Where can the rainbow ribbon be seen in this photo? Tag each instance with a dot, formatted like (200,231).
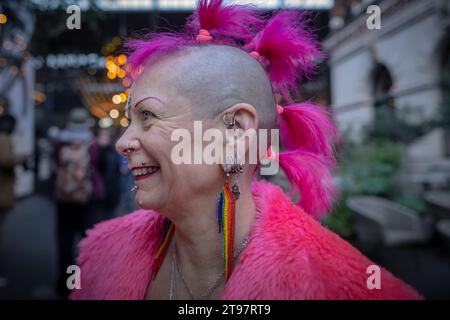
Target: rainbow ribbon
(225,217)
(170,229)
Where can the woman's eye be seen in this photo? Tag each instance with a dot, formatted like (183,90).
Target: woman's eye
(146,115)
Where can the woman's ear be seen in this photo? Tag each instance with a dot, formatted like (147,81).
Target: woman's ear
(241,121)
(245,116)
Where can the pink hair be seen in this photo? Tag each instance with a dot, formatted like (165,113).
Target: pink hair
(308,133)
(288,50)
(309,174)
(308,127)
(144,50)
(228,25)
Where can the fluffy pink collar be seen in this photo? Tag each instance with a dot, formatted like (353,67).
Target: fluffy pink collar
(289,256)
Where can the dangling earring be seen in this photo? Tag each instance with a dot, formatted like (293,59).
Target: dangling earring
(226,220)
(238,170)
(226,205)
(225,212)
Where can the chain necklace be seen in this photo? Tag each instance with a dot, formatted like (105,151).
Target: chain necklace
(176,266)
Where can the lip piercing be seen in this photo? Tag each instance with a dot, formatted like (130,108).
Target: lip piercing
(135,188)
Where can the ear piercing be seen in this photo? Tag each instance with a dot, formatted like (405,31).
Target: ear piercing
(228,123)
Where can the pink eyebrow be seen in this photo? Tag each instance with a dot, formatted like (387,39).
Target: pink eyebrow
(146,98)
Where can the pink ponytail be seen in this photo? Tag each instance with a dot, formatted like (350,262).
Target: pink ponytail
(212,21)
(308,127)
(307,131)
(225,24)
(287,49)
(309,174)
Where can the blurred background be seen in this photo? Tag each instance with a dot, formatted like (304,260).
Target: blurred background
(62,95)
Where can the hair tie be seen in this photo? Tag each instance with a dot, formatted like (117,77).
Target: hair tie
(271,154)
(255,54)
(279,109)
(203,35)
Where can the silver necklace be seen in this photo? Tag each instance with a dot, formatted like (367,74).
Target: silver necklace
(175,265)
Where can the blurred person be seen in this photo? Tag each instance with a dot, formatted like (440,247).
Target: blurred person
(74,188)
(8,160)
(127,203)
(106,162)
(211,231)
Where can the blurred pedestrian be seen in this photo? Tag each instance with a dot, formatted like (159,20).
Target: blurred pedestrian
(8,160)
(106,162)
(74,188)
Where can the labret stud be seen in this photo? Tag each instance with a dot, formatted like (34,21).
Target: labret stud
(135,188)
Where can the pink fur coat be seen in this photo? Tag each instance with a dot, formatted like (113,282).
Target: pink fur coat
(289,256)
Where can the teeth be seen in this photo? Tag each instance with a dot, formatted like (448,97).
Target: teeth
(144,171)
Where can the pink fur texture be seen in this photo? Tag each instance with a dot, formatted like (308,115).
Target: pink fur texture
(288,49)
(289,256)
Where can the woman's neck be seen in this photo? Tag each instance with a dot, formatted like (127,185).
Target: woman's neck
(197,238)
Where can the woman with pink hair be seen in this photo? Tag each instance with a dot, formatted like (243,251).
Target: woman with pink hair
(211,230)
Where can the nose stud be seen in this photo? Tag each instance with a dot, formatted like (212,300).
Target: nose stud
(128,149)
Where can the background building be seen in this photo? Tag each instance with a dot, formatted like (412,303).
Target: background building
(401,65)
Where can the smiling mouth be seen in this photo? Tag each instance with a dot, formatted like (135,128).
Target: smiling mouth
(141,173)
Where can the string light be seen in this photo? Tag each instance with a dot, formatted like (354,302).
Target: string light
(122,59)
(114,113)
(116,99)
(121,73)
(3,18)
(111,75)
(124,122)
(105,122)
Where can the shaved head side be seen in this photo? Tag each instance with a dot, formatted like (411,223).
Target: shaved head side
(213,78)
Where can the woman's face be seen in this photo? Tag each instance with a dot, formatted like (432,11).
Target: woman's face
(155,112)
